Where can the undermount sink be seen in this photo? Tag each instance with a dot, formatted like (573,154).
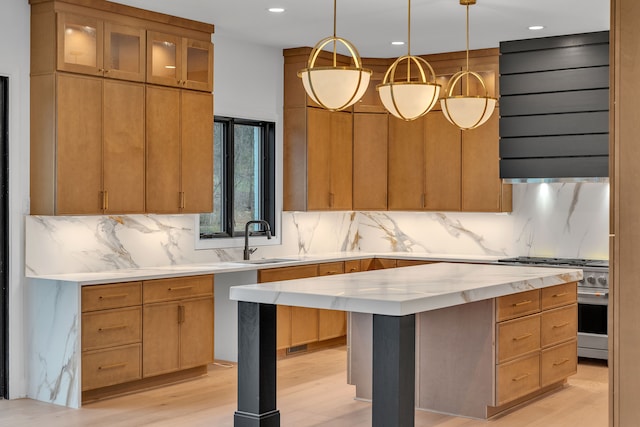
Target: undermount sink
(267,261)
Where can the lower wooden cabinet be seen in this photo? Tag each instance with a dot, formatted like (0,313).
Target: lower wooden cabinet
(178,333)
(536,350)
(133,331)
(300,325)
(111,334)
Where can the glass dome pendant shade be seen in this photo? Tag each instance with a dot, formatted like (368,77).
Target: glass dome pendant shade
(335,87)
(467,111)
(409,99)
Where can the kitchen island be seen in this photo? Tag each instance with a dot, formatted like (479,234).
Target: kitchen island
(394,299)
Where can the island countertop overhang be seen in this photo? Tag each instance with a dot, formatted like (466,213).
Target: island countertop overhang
(400,292)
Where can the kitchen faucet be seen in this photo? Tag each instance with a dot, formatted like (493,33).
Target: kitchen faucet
(267,230)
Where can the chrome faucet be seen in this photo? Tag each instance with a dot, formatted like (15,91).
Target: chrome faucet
(267,230)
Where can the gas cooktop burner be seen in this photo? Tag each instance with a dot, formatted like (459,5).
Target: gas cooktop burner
(573,262)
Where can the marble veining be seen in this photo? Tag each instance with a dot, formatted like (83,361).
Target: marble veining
(561,220)
(405,291)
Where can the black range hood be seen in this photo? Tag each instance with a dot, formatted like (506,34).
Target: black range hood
(554,108)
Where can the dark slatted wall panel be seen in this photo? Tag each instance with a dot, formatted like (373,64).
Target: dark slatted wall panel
(554,107)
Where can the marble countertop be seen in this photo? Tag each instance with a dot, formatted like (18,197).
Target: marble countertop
(398,292)
(217,267)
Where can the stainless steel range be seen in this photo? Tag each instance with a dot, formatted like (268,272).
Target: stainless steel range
(593,300)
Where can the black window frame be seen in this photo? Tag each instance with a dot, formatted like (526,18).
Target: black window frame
(268,160)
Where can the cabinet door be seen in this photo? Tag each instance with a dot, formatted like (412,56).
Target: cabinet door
(197,61)
(283,320)
(197,152)
(341,158)
(331,323)
(304,325)
(164,59)
(406,164)
(124,52)
(370,136)
(123,147)
(481,184)
(160,339)
(163,150)
(443,159)
(196,332)
(80,44)
(79,145)
(318,159)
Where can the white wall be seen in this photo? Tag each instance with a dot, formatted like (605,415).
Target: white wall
(14,51)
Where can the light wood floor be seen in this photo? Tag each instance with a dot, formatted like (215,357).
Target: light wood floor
(312,391)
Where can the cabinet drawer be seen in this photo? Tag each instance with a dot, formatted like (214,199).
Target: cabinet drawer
(109,328)
(559,362)
(176,289)
(287,273)
(352,266)
(518,337)
(517,378)
(330,268)
(113,366)
(557,296)
(101,297)
(558,325)
(516,305)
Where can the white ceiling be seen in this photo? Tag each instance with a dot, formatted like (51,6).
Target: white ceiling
(371,25)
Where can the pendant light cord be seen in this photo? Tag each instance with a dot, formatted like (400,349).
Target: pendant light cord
(467,49)
(409,41)
(335,44)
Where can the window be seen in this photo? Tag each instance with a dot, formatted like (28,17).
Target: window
(243,177)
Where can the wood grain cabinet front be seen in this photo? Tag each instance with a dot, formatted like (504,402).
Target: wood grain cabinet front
(111,334)
(178,326)
(179,61)
(179,154)
(87,146)
(99,47)
(97,145)
(534,351)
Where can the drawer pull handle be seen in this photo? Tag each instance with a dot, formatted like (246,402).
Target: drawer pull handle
(113,296)
(329,273)
(562,325)
(562,362)
(180,288)
(111,328)
(352,269)
(521,303)
(561,294)
(114,366)
(522,337)
(521,377)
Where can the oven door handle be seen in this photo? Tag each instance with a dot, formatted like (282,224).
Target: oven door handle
(600,298)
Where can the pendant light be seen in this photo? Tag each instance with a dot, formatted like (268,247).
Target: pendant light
(409,99)
(467,111)
(335,87)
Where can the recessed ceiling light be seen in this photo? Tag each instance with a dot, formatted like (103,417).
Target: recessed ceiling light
(397,43)
(276,9)
(536,27)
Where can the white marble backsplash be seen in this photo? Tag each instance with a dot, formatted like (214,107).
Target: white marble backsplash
(564,220)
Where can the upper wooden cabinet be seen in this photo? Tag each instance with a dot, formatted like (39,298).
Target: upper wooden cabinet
(93,46)
(317,159)
(87,145)
(179,61)
(482,188)
(370,153)
(88,130)
(179,151)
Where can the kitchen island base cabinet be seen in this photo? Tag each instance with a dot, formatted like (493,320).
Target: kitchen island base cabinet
(493,354)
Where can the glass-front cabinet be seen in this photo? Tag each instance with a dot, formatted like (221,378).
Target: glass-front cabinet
(179,61)
(92,46)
